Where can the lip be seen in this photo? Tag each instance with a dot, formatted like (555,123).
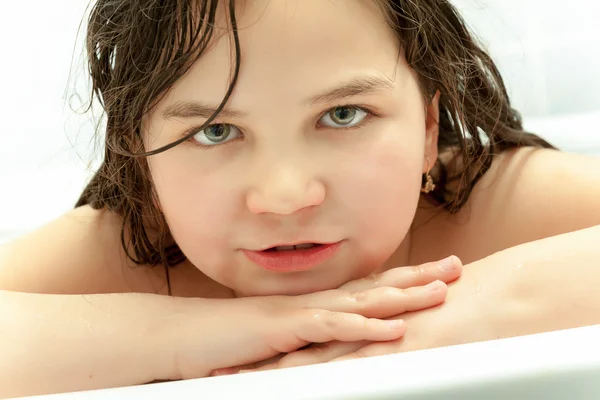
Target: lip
(293,260)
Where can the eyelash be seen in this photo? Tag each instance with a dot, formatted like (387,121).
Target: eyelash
(370,115)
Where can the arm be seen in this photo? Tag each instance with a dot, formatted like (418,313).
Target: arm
(541,286)
(546,278)
(546,285)
(54,338)
(64,343)
(59,343)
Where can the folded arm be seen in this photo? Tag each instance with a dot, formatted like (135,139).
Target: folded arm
(546,285)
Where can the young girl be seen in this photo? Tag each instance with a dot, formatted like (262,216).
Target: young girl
(271,171)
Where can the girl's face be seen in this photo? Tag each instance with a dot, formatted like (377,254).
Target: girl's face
(323,140)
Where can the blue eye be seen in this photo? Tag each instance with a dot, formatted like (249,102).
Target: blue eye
(344,117)
(216,134)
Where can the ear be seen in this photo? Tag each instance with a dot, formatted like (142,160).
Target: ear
(432,130)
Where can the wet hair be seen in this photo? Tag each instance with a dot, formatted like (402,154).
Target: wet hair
(138,49)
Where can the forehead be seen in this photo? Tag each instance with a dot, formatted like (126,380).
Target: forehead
(292,48)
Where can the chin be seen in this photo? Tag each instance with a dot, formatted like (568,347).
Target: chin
(278,291)
(290,286)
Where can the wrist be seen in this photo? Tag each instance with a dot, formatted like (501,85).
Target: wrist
(493,300)
(182,337)
(167,335)
(476,306)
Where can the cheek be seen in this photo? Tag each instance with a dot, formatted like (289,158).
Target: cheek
(197,205)
(380,192)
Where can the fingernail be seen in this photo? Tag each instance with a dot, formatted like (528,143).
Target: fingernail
(395,323)
(435,286)
(447,264)
(244,371)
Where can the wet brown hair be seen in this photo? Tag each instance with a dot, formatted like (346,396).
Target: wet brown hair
(138,49)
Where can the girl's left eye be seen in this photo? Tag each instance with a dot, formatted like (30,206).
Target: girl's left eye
(344,117)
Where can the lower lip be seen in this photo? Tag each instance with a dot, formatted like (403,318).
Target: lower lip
(293,260)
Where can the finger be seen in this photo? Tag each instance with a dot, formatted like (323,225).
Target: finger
(390,302)
(327,352)
(372,350)
(446,270)
(315,354)
(320,326)
(252,366)
(380,302)
(224,371)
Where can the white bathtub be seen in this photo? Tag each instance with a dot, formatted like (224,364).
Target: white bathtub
(550,366)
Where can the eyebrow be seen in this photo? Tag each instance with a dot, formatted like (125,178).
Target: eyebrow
(358,86)
(194,109)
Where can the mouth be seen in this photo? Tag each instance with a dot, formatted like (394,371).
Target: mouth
(303,246)
(292,258)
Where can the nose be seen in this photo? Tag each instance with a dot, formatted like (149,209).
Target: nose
(284,189)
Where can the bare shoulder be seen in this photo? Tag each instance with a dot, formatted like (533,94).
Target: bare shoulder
(528,194)
(79,252)
(537,193)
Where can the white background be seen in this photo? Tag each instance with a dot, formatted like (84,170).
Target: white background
(548,51)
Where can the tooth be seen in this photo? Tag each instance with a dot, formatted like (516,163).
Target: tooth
(282,248)
(305,246)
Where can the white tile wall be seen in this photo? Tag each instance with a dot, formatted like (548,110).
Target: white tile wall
(547,50)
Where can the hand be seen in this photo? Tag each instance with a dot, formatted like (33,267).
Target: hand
(327,352)
(402,277)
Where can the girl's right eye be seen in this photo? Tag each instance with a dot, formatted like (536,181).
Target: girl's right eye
(216,134)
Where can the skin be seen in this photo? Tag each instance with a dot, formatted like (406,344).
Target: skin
(289,174)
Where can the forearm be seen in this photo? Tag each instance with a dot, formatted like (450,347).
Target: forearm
(60,343)
(546,285)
